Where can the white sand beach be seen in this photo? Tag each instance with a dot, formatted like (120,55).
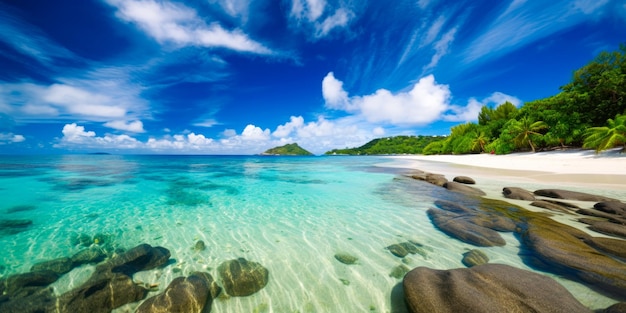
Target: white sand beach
(571,168)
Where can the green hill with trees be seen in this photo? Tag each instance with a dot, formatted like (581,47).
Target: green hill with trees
(288,149)
(390,145)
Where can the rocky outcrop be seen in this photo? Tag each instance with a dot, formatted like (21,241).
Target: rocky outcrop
(59,266)
(435,179)
(485,288)
(86,256)
(140,258)
(184,294)
(461,227)
(614,247)
(518,194)
(241,277)
(464,180)
(474,257)
(596,213)
(571,195)
(615,308)
(612,207)
(465,189)
(608,228)
(550,206)
(561,249)
(453,207)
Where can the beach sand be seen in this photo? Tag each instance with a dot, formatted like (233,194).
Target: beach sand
(577,168)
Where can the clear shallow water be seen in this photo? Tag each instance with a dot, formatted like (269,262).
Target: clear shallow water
(290,214)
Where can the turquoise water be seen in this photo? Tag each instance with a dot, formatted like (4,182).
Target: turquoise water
(291,214)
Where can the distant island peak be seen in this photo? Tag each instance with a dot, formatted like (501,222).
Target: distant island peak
(288,149)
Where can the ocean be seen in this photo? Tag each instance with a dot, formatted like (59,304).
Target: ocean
(290,214)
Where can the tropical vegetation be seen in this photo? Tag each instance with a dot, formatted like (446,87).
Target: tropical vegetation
(288,149)
(389,145)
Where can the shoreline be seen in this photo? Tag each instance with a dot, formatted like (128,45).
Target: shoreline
(575,168)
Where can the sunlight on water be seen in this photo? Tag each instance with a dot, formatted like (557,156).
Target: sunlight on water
(292,215)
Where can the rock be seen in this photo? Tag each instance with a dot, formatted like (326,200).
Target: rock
(396,250)
(492,221)
(615,308)
(485,288)
(612,207)
(561,249)
(464,180)
(14,226)
(399,271)
(550,206)
(465,189)
(571,195)
(59,266)
(611,217)
(183,294)
(86,256)
(518,194)
(564,204)
(140,258)
(435,179)
(199,246)
(242,278)
(614,247)
(452,206)
(101,294)
(20,285)
(346,258)
(474,257)
(459,227)
(214,288)
(609,228)
(39,301)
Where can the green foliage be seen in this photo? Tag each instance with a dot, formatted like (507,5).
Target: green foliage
(288,149)
(390,145)
(607,137)
(525,130)
(598,89)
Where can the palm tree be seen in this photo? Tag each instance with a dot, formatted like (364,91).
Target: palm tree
(525,128)
(607,137)
(479,141)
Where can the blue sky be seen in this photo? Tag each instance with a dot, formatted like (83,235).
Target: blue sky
(242,76)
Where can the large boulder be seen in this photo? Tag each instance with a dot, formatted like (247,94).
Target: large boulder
(241,277)
(612,207)
(562,249)
(571,195)
(190,294)
(463,188)
(101,294)
(435,179)
(59,266)
(609,216)
(140,258)
(485,288)
(20,285)
(608,228)
(86,256)
(518,194)
(461,227)
(39,301)
(614,247)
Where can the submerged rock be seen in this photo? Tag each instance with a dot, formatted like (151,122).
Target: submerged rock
(199,246)
(20,285)
(452,206)
(184,294)
(404,248)
(86,256)
(486,288)
(399,271)
(241,277)
(59,266)
(346,258)
(14,226)
(571,195)
(518,194)
(459,227)
(465,189)
(474,257)
(140,258)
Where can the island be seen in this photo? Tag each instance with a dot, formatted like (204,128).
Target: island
(288,149)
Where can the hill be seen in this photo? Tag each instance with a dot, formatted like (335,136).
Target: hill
(288,149)
(390,145)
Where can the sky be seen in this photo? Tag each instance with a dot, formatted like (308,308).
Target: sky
(242,76)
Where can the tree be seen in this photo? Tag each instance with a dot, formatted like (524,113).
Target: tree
(607,137)
(525,129)
(479,141)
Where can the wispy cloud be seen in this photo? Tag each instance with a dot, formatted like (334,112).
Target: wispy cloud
(525,21)
(310,14)
(441,48)
(9,138)
(175,23)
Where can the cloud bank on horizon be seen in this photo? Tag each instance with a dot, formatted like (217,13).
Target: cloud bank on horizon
(159,76)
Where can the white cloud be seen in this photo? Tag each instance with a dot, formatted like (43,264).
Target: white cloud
(310,13)
(234,8)
(131,126)
(175,23)
(81,102)
(334,94)
(469,113)
(206,123)
(423,104)
(379,131)
(76,134)
(441,48)
(286,129)
(433,31)
(252,132)
(7,138)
